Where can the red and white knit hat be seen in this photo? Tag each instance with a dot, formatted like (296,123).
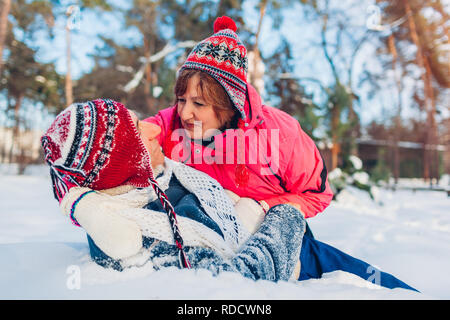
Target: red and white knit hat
(96,145)
(224,57)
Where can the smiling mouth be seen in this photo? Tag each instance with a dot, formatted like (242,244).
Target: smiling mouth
(191,126)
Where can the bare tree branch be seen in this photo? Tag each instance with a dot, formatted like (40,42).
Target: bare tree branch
(168,49)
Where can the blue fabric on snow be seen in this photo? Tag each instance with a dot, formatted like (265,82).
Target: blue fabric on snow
(102,258)
(106,261)
(185,204)
(318,258)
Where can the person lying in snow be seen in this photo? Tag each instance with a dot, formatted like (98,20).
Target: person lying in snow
(101,165)
(87,148)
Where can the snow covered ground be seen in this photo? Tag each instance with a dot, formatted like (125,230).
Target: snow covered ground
(42,256)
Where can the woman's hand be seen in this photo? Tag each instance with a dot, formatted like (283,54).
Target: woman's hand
(266,208)
(296,206)
(149,132)
(250,212)
(156,155)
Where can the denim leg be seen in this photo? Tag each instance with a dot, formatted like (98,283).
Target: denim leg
(101,258)
(106,261)
(190,207)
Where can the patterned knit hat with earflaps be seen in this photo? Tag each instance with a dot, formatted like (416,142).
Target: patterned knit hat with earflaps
(224,57)
(96,145)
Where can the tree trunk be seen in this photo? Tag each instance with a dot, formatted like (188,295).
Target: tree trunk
(148,77)
(353,133)
(15,143)
(262,13)
(3,139)
(353,117)
(69,94)
(432,134)
(336,148)
(3,28)
(396,136)
(5,132)
(430,107)
(255,77)
(335,112)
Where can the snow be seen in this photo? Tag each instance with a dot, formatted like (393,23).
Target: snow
(43,256)
(357,162)
(361,177)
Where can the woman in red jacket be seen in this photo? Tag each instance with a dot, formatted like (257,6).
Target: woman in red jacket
(220,126)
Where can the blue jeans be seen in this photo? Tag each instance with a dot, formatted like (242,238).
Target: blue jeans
(185,204)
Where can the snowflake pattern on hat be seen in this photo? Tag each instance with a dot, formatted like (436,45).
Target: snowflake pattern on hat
(224,57)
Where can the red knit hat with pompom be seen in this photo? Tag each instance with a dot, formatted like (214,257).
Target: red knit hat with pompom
(96,145)
(224,57)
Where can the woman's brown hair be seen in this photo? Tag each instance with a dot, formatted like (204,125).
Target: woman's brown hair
(213,93)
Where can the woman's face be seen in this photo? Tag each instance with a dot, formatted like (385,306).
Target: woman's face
(196,114)
(148,132)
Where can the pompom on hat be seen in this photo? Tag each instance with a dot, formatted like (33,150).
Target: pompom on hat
(223,23)
(224,57)
(96,145)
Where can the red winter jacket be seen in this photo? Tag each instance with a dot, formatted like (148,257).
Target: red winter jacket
(288,170)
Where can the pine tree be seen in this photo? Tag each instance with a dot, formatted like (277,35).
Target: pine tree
(24,79)
(5,7)
(424,27)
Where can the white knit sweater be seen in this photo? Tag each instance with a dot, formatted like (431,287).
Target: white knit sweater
(123,205)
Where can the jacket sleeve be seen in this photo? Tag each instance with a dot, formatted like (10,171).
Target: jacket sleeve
(303,175)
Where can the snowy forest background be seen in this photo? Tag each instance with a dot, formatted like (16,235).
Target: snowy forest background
(369,81)
(364,78)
